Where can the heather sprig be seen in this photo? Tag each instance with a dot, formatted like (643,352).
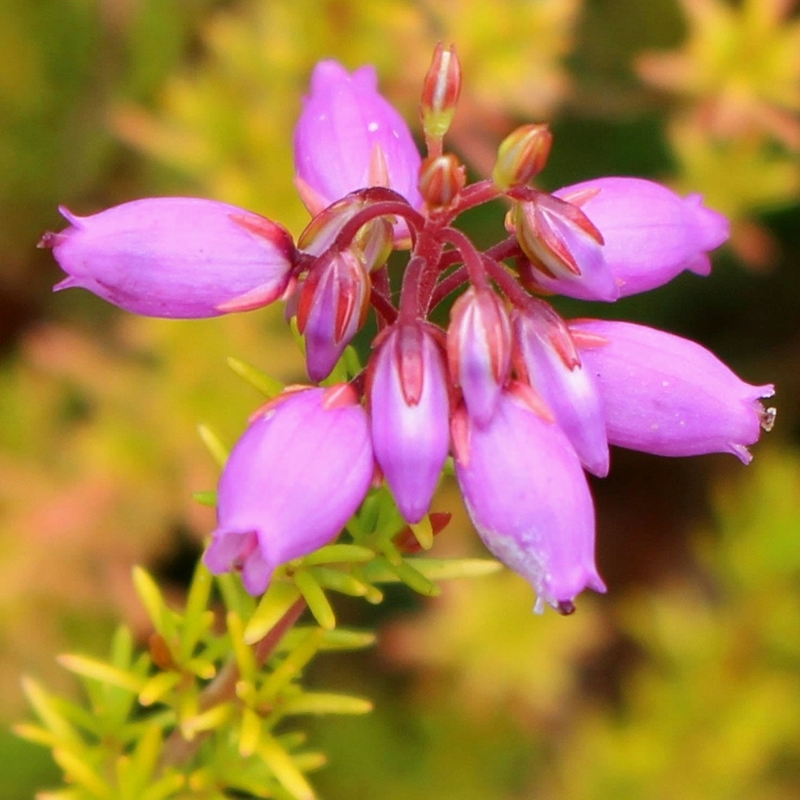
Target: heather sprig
(329,487)
(426,392)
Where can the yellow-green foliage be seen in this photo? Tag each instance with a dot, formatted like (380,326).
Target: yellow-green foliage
(736,132)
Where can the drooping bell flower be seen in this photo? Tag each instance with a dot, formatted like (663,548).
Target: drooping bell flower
(291,482)
(331,308)
(409,410)
(527,496)
(479,351)
(546,356)
(667,395)
(180,257)
(650,234)
(345,129)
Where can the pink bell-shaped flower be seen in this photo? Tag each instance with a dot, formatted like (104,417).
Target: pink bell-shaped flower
(409,410)
(650,234)
(667,395)
(345,130)
(547,358)
(291,482)
(180,257)
(527,496)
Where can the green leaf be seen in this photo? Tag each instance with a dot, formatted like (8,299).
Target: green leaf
(35,734)
(310,760)
(347,639)
(407,573)
(317,601)
(214,445)
(324,703)
(423,532)
(292,665)
(46,708)
(279,598)
(161,617)
(437,569)
(164,787)
(158,686)
(260,381)
(284,769)
(339,553)
(250,732)
(205,498)
(78,771)
(146,754)
(100,671)
(245,660)
(339,581)
(197,618)
(214,717)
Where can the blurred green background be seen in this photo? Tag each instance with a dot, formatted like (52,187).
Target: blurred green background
(683,681)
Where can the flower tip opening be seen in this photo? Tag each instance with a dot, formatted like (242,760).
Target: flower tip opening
(67,283)
(49,240)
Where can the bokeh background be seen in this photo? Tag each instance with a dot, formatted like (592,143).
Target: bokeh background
(684,680)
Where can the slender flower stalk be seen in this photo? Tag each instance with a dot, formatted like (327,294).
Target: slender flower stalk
(521,399)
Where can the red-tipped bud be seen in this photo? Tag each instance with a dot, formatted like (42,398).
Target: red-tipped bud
(564,247)
(330,309)
(441,179)
(373,243)
(478,351)
(522,155)
(440,92)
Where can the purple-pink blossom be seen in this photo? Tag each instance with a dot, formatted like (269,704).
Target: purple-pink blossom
(527,496)
(667,395)
(346,133)
(175,257)
(293,479)
(523,400)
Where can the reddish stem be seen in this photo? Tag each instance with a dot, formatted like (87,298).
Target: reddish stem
(472,258)
(448,284)
(476,194)
(388,208)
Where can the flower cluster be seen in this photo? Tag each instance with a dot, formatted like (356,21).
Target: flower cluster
(523,400)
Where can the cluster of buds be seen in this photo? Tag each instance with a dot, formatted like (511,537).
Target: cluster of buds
(523,400)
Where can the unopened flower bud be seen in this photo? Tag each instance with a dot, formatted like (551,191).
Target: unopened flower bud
(441,179)
(564,247)
(522,155)
(479,351)
(180,257)
(409,409)
(374,241)
(330,309)
(291,482)
(545,355)
(440,92)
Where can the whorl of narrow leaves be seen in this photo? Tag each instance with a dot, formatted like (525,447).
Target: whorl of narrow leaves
(198,708)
